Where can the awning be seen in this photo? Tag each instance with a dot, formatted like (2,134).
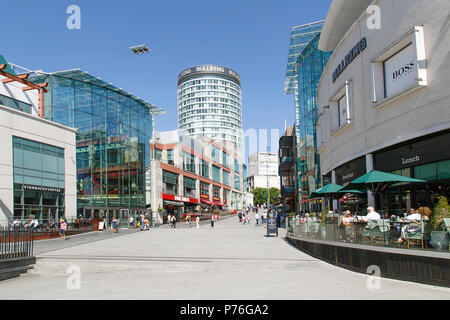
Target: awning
(208,202)
(173,203)
(220,204)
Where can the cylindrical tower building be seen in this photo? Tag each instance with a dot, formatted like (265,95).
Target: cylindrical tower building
(210,103)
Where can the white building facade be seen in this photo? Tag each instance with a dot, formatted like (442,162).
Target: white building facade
(210,103)
(383,97)
(263,171)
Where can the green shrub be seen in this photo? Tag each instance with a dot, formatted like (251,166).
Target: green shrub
(441,211)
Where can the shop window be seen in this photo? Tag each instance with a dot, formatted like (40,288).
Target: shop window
(443,170)
(426,172)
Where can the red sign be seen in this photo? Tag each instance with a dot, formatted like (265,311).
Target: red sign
(178,198)
(204,196)
(216,199)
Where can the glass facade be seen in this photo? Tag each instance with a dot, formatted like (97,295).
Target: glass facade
(210,105)
(114,130)
(39,182)
(300,38)
(310,65)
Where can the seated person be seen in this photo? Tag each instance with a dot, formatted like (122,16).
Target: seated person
(371,215)
(347,221)
(414,218)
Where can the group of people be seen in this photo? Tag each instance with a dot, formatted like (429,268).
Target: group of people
(245,216)
(411,220)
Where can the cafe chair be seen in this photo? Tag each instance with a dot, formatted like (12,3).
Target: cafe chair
(421,234)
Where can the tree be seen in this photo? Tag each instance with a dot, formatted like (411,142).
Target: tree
(274,195)
(260,196)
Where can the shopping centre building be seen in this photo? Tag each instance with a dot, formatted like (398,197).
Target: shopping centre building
(383,98)
(195,175)
(112,141)
(37,162)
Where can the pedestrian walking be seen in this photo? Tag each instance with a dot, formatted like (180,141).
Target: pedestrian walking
(197,220)
(62,228)
(240,216)
(114,225)
(257,218)
(131,222)
(169,219)
(212,219)
(141,219)
(174,222)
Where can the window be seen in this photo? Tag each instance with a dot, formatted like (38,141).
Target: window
(225,160)
(426,171)
(236,165)
(342,109)
(215,154)
(204,169)
(158,154)
(216,173)
(170,183)
(226,178)
(170,157)
(39,179)
(237,182)
(204,188)
(189,187)
(400,67)
(216,192)
(188,162)
(15,104)
(443,170)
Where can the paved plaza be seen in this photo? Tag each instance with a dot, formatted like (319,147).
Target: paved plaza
(231,261)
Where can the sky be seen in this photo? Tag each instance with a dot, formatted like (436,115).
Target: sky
(249,36)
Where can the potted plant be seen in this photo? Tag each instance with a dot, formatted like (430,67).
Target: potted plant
(439,236)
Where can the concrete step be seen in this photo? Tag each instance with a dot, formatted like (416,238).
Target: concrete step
(15,272)
(63,266)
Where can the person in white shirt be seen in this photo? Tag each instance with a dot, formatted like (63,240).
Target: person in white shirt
(257,218)
(371,215)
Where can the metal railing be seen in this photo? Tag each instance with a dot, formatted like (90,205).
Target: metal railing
(393,232)
(15,243)
(48,225)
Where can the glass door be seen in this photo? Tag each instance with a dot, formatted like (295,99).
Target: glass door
(124,216)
